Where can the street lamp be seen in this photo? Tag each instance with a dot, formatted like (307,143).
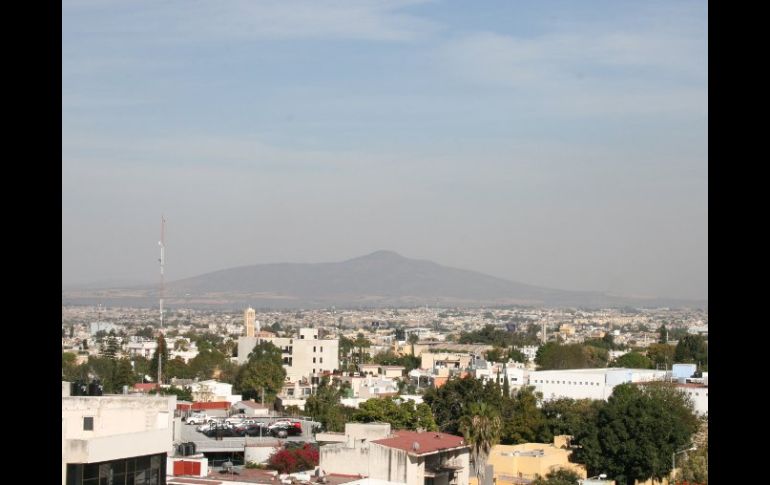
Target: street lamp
(673,459)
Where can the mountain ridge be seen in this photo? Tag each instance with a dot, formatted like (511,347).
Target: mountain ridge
(380,278)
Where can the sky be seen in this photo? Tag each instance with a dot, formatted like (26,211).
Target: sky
(559,143)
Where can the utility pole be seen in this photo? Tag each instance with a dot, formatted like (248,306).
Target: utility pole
(162,244)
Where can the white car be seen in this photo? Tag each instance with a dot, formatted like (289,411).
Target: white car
(199,419)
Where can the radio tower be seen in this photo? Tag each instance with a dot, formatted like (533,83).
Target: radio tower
(162,245)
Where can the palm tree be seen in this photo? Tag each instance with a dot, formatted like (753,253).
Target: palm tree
(481,427)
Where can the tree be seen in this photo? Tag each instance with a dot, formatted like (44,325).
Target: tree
(632,360)
(560,476)
(413,339)
(146,332)
(662,334)
(263,372)
(523,421)
(112,348)
(346,347)
(123,375)
(362,343)
(178,368)
(405,415)
(572,356)
(517,355)
(69,368)
(694,467)
(452,400)
(661,355)
(692,348)
(163,349)
(481,426)
(324,406)
(566,416)
(636,432)
(206,363)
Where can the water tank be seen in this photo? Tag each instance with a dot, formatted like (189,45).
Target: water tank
(181,449)
(95,388)
(192,447)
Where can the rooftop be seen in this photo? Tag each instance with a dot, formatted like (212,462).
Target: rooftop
(421,443)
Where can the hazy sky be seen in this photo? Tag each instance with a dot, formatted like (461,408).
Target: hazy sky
(561,144)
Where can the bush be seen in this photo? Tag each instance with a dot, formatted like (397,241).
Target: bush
(295,460)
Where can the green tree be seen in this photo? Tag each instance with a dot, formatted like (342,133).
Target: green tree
(496,354)
(362,343)
(481,426)
(346,347)
(123,375)
(452,400)
(662,334)
(560,476)
(177,368)
(636,432)
(69,368)
(405,415)
(692,348)
(694,466)
(517,355)
(566,416)
(571,356)
(163,349)
(263,372)
(523,421)
(324,406)
(661,355)
(204,365)
(632,360)
(112,348)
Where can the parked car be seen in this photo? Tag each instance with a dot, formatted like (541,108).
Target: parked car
(199,418)
(283,430)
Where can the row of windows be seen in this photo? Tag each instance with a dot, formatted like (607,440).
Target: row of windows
(321,360)
(143,470)
(579,383)
(322,349)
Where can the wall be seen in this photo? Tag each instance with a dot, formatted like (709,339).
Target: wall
(123,427)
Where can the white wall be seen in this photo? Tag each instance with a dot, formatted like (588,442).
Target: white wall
(123,427)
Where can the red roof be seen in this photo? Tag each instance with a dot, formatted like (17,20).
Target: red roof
(428,441)
(211,405)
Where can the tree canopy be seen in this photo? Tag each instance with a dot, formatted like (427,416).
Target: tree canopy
(263,372)
(406,415)
(636,432)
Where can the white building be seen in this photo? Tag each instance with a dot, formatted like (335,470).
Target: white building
(116,439)
(514,372)
(414,458)
(588,383)
(213,391)
(141,348)
(303,356)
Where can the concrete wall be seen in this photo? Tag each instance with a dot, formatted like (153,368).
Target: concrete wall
(260,453)
(123,427)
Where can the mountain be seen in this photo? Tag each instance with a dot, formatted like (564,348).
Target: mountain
(383,278)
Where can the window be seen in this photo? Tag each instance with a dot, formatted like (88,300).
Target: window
(314,360)
(88,423)
(314,348)
(322,360)
(322,349)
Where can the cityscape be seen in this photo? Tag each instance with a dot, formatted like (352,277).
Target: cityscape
(365,242)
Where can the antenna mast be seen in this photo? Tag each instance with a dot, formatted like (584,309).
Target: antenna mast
(162,261)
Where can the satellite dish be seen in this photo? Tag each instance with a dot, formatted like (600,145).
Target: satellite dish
(415,446)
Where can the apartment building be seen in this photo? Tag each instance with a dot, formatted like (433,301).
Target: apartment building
(304,355)
(588,383)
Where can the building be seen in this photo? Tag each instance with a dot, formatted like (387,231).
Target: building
(116,439)
(588,383)
(250,408)
(213,391)
(249,319)
(514,463)
(303,356)
(415,458)
(141,348)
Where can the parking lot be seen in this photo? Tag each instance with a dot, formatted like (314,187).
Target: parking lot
(205,444)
